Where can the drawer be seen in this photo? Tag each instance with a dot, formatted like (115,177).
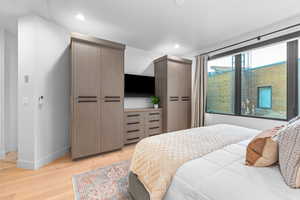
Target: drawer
(132,140)
(154,123)
(154,130)
(134,127)
(133,122)
(154,115)
(133,136)
(132,116)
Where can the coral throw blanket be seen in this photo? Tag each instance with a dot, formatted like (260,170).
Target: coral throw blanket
(157,158)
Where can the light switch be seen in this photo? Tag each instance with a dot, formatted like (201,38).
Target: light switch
(26,78)
(25,101)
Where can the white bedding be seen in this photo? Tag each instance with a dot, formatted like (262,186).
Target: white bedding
(222,175)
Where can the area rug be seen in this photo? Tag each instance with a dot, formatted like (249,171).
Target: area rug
(108,183)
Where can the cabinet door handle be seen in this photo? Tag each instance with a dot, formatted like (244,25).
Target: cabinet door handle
(87,101)
(86,97)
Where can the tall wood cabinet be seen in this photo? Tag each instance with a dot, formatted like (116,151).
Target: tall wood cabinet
(97,95)
(173,87)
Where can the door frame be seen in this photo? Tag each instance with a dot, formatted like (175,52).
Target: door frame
(2,88)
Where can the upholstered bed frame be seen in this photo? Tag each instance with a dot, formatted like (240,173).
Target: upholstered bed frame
(137,189)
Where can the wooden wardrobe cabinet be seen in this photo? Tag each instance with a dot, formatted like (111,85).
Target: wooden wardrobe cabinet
(97,96)
(173,87)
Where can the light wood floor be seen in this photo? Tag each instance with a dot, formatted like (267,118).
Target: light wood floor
(53,181)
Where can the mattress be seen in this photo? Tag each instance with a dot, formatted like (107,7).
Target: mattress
(222,175)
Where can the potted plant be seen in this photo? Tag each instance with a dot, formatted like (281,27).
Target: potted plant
(155,101)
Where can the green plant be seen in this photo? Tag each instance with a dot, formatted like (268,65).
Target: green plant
(155,100)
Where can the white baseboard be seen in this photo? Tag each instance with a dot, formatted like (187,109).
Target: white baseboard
(25,164)
(51,157)
(44,161)
(2,154)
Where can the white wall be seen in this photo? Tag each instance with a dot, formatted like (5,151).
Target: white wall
(139,62)
(2,62)
(44,58)
(11,80)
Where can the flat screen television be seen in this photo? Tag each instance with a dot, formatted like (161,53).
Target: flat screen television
(139,86)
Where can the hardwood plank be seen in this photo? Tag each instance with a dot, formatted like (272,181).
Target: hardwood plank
(53,181)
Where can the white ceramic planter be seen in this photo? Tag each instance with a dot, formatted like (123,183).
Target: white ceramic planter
(155,106)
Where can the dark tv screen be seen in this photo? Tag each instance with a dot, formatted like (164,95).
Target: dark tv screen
(139,86)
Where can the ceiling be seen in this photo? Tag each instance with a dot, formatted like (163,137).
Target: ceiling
(156,25)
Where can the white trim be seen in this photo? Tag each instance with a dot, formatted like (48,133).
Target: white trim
(25,164)
(51,157)
(2,154)
(2,63)
(44,161)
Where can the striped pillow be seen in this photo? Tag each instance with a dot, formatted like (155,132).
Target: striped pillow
(289,154)
(262,151)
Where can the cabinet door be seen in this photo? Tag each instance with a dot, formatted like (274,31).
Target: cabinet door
(111,124)
(174,82)
(185,97)
(86,69)
(112,73)
(184,115)
(173,118)
(86,133)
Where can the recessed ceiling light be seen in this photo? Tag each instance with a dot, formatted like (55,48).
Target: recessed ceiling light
(176,46)
(80,17)
(179,2)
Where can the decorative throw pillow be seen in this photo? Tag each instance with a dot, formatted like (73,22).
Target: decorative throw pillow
(289,154)
(262,151)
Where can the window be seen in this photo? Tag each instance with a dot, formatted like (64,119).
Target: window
(266,66)
(264,97)
(259,82)
(220,85)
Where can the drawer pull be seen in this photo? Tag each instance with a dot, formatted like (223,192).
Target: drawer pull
(154,113)
(152,128)
(112,97)
(112,100)
(135,115)
(132,131)
(131,123)
(130,139)
(156,120)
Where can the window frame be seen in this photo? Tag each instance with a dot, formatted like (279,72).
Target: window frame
(292,75)
(258,98)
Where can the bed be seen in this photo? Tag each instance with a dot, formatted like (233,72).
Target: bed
(207,178)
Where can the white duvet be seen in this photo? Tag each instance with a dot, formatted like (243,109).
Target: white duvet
(222,175)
